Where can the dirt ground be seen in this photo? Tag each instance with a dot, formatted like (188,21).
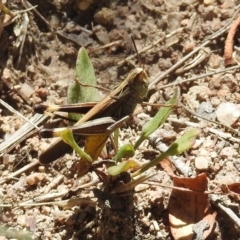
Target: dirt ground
(177,41)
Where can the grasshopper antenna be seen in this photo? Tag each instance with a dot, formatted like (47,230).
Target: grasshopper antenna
(135,47)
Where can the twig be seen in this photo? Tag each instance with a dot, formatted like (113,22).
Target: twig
(93,86)
(228,211)
(150,46)
(15,16)
(62,203)
(52,196)
(105,46)
(161,76)
(89,225)
(28,4)
(228,50)
(199,77)
(20,171)
(24,11)
(208,120)
(152,182)
(54,183)
(202,55)
(220,134)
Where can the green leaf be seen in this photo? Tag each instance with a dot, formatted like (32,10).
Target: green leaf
(183,143)
(179,146)
(67,137)
(158,119)
(85,75)
(122,167)
(126,151)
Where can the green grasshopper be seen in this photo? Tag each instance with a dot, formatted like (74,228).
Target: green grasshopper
(117,105)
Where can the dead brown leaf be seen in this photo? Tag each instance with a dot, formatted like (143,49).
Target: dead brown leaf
(188,208)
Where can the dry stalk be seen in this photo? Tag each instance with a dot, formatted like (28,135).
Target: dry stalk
(228,50)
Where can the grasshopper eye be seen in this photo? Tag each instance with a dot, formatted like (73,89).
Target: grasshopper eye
(140,83)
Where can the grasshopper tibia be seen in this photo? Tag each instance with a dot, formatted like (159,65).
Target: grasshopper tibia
(117,124)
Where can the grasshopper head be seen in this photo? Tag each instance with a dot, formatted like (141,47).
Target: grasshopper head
(139,82)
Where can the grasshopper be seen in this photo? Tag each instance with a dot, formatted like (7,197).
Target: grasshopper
(117,105)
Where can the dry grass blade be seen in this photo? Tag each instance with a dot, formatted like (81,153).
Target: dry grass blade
(24,132)
(62,203)
(199,77)
(17,113)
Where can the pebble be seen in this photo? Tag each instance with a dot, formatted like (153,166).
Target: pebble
(6,74)
(201,163)
(145,221)
(228,152)
(3,238)
(209,2)
(42,93)
(21,220)
(27,90)
(35,178)
(54,21)
(228,113)
(104,16)
(41,169)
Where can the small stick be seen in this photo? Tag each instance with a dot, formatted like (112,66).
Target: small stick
(220,134)
(53,195)
(228,49)
(20,171)
(61,203)
(93,86)
(199,77)
(150,46)
(158,77)
(105,46)
(206,119)
(152,182)
(228,211)
(56,181)
(29,5)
